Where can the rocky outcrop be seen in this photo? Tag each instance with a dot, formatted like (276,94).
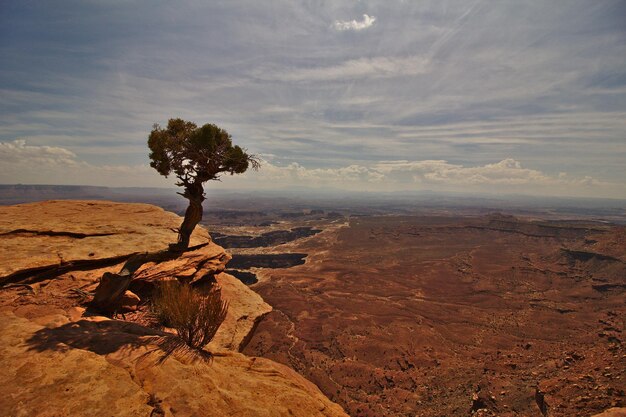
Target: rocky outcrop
(61,381)
(60,235)
(188,267)
(61,360)
(95,367)
(245,309)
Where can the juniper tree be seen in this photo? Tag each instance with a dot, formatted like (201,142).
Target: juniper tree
(195,155)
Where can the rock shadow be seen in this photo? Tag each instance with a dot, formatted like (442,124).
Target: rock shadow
(246,277)
(267,239)
(109,336)
(278,260)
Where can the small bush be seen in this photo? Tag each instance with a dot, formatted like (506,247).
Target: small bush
(195,317)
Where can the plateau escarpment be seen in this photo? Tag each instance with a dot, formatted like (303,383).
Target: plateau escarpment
(61,358)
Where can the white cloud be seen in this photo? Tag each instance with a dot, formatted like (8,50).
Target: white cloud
(342,25)
(17,152)
(55,165)
(29,164)
(505,172)
(296,174)
(507,175)
(427,83)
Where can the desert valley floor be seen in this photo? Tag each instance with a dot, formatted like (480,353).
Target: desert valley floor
(446,315)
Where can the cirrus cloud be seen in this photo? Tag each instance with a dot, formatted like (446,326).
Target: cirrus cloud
(378,67)
(454,90)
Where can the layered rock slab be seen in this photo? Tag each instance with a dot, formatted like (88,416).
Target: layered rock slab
(97,367)
(53,233)
(66,363)
(245,310)
(110,368)
(63,381)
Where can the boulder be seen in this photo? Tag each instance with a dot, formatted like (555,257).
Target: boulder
(110,292)
(129,302)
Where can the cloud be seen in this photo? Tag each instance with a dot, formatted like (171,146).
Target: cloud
(507,175)
(27,164)
(378,67)
(506,172)
(296,174)
(17,152)
(427,83)
(55,165)
(355,25)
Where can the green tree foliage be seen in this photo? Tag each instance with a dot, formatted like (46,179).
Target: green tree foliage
(195,155)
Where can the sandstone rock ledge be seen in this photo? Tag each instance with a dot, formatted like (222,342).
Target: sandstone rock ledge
(54,233)
(59,360)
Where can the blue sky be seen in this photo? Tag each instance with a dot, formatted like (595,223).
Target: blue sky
(485,96)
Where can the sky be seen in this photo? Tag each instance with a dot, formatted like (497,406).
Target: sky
(475,96)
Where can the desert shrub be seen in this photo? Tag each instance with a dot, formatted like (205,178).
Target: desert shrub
(196,317)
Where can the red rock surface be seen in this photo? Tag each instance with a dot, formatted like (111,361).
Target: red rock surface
(59,359)
(55,233)
(445,316)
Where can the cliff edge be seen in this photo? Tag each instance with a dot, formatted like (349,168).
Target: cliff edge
(60,359)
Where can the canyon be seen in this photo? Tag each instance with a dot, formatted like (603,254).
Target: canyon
(436,315)
(422,314)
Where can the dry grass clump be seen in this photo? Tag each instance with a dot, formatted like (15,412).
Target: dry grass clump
(195,317)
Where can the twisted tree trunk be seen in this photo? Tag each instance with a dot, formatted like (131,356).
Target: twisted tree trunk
(193,215)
